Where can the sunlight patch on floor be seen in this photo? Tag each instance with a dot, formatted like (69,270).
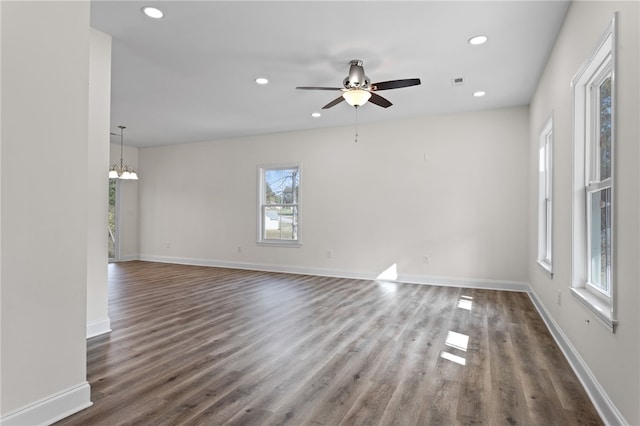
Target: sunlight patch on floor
(457,340)
(391,273)
(454,358)
(465,302)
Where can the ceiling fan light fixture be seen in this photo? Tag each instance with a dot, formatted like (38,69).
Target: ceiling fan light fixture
(356,97)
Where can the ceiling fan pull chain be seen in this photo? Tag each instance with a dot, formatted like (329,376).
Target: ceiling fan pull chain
(356,123)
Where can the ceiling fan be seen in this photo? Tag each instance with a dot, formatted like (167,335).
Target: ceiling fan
(358,88)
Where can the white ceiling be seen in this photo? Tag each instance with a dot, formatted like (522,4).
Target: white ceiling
(190,76)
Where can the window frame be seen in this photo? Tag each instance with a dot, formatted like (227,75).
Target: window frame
(545,196)
(600,66)
(262,205)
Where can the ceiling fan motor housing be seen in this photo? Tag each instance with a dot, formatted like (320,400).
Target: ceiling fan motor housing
(356,78)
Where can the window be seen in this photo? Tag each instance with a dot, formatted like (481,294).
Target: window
(599,187)
(593,186)
(279,198)
(545,199)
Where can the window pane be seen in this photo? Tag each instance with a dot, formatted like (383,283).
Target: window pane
(600,239)
(281,222)
(548,236)
(281,186)
(545,196)
(604,100)
(112,218)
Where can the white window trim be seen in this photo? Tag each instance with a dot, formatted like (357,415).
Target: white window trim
(260,215)
(545,197)
(604,308)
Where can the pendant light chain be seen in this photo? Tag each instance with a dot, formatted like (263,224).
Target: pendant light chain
(121,146)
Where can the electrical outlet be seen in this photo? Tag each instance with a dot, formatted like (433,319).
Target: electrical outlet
(559,298)
(167,244)
(329,254)
(239,249)
(425,260)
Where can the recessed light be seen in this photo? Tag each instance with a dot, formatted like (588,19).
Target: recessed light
(152,12)
(316,114)
(479,39)
(262,80)
(479,93)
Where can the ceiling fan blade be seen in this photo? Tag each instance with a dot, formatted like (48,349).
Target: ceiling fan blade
(395,84)
(334,102)
(379,100)
(317,88)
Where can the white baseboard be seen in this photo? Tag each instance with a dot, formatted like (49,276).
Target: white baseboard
(97,328)
(51,409)
(603,404)
(127,258)
(359,275)
(485,284)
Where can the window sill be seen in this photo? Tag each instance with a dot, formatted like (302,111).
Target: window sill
(275,243)
(546,266)
(599,307)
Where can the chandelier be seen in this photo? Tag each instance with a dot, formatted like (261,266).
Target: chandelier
(120,171)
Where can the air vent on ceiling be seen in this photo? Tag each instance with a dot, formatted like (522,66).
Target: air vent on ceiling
(457,81)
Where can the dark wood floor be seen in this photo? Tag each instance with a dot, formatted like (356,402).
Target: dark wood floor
(209,346)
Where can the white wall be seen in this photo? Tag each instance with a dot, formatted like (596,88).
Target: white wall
(98,149)
(127,215)
(613,359)
(451,187)
(45,80)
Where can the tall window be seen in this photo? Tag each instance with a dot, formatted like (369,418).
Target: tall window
(593,200)
(112,223)
(545,201)
(279,204)
(599,187)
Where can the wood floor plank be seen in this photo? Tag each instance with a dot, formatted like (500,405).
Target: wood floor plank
(210,346)
(475,390)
